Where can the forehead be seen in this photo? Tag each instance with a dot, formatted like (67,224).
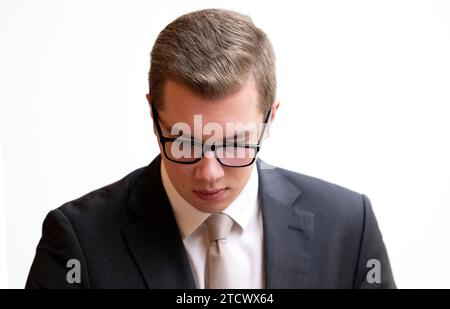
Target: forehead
(181,104)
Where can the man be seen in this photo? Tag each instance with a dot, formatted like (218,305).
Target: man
(206,213)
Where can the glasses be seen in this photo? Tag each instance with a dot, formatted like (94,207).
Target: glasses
(189,151)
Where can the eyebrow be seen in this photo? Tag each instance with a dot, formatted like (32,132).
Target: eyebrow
(237,135)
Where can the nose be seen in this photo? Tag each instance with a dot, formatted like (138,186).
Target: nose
(208,169)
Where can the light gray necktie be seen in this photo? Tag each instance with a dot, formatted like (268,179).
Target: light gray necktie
(218,271)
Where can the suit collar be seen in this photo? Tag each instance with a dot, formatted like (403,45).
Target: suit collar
(288,230)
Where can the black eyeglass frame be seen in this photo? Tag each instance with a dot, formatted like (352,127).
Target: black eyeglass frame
(164,139)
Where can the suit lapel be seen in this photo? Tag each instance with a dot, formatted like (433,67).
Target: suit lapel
(154,238)
(288,230)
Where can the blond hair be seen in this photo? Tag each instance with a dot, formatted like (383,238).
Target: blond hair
(212,52)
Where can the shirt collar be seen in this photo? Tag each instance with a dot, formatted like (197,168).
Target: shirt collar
(188,218)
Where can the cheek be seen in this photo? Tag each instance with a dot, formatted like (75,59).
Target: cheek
(181,175)
(237,176)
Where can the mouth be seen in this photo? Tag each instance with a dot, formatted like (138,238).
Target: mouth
(210,195)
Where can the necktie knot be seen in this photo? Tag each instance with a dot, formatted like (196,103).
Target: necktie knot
(218,226)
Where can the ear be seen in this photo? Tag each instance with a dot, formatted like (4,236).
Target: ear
(275,106)
(149,100)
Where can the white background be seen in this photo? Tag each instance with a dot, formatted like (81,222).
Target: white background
(365,91)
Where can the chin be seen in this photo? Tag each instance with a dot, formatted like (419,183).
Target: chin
(207,203)
(210,207)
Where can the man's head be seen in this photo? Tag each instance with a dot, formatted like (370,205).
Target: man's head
(217,64)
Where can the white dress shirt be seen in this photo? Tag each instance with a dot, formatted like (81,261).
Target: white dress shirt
(245,241)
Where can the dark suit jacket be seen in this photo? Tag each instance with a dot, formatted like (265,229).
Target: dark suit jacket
(316,235)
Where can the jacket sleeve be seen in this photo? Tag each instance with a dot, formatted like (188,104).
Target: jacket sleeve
(373,269)
(59,261)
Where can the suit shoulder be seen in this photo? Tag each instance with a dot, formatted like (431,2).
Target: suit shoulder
(324,197)
(317,185)
(107,199)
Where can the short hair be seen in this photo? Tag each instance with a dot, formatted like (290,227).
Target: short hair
(213,52)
